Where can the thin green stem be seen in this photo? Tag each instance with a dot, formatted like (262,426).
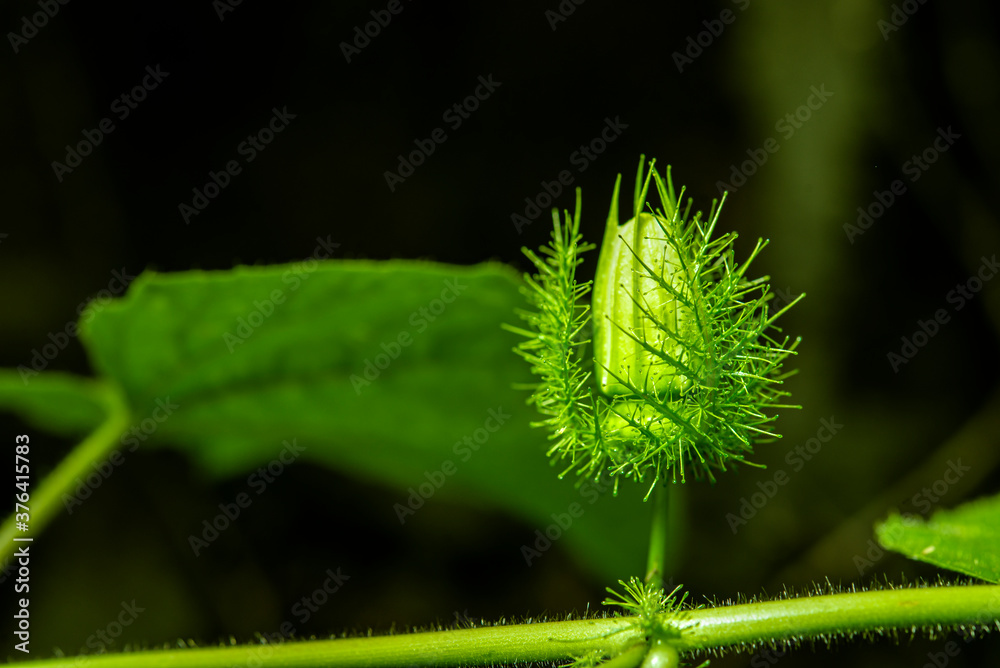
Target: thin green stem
(813,617)
(658,536)
(44,502)
(676,528)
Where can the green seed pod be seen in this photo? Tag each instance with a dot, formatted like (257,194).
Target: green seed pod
(685,362)
(630,307)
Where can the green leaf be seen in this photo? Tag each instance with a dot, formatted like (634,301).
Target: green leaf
(384,370)
(361,353)
(966,539)
(60,403)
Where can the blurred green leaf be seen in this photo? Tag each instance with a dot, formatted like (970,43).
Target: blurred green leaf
(250,357)
(384,370)
(966,539)
(57,402)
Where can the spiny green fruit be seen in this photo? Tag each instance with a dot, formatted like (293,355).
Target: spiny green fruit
(684,360)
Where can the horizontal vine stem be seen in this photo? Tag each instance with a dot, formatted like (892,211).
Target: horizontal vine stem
(839,614)
(704,629)
(544,641)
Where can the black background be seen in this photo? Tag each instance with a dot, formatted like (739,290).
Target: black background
(324,176)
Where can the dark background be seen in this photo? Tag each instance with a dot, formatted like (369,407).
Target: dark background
(324,175)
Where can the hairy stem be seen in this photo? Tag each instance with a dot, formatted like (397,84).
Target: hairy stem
(481,646)
(812,617)
(843,614)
